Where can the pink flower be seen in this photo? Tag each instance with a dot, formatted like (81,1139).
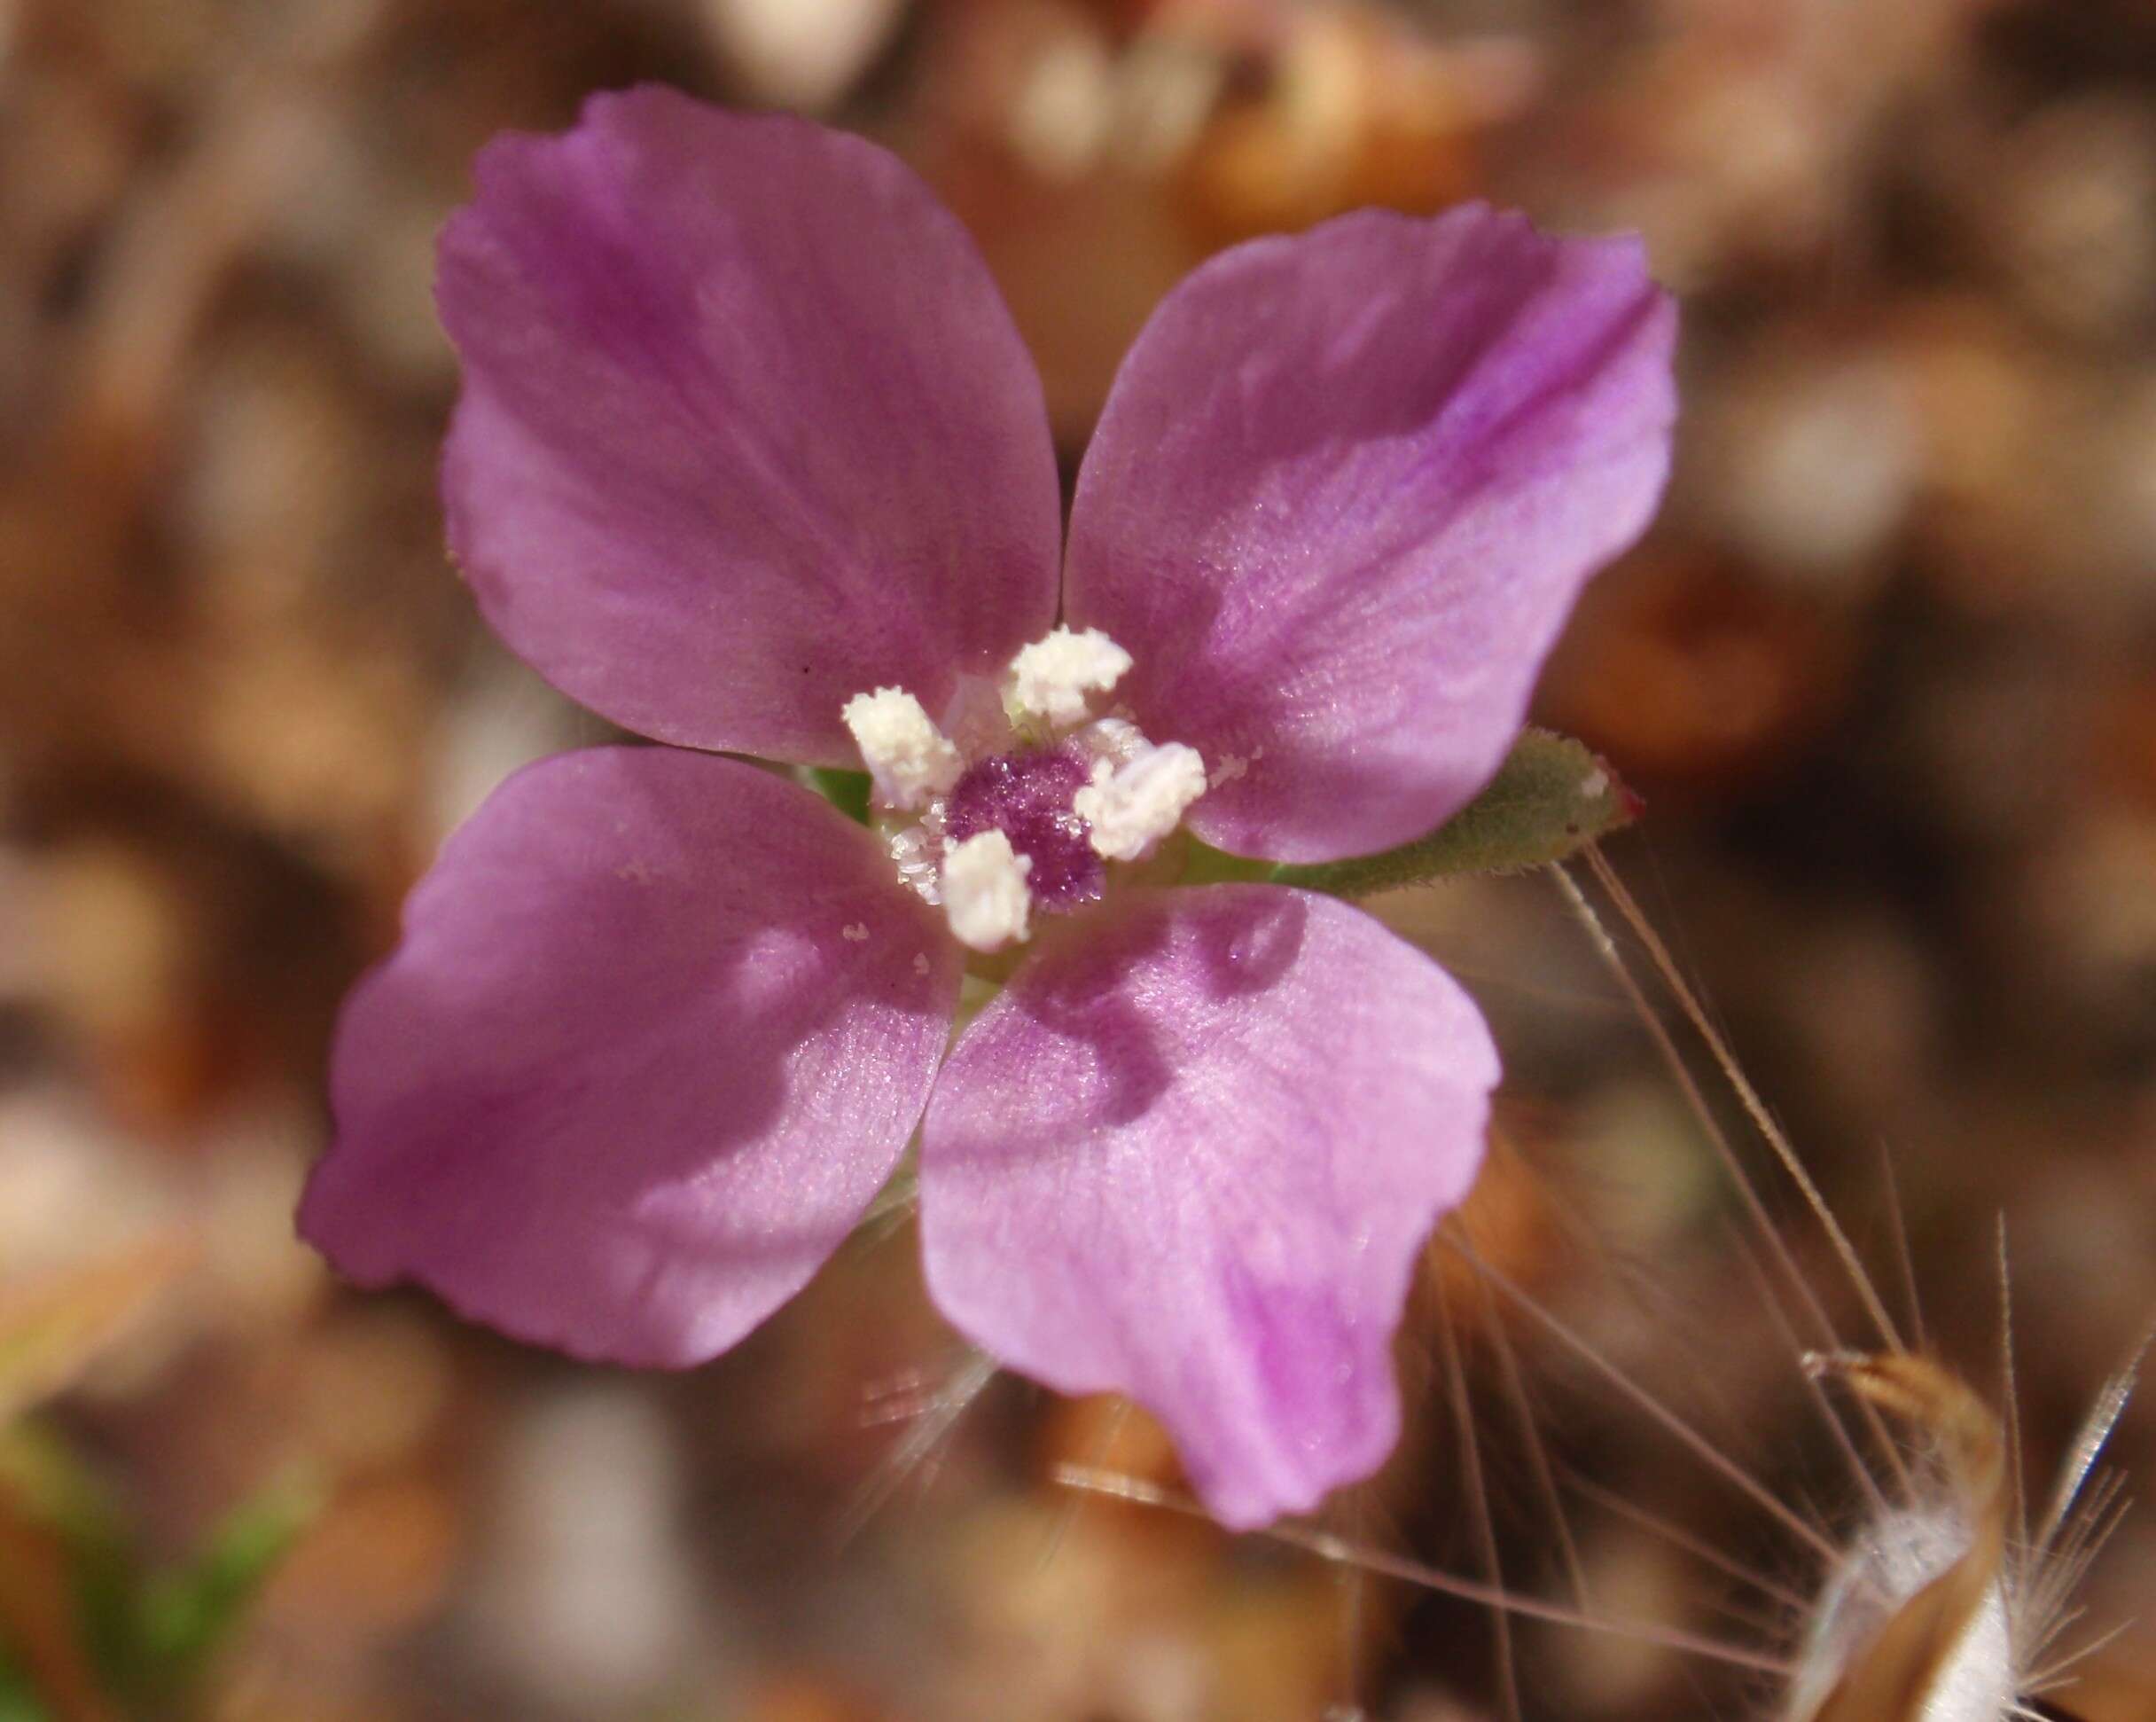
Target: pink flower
(750,459)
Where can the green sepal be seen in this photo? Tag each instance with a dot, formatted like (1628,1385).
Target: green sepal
(1550,798)
(847,791)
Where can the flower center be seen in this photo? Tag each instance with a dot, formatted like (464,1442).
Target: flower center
(1036,797)
(1028,797)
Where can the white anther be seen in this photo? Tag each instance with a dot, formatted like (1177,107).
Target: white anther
(984,891)
(1133,806)
(907,756)
(1049,681)
(1116,739)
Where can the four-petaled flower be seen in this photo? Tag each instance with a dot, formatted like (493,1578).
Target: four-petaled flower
(750,459)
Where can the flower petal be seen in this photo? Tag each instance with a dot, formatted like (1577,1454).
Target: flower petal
(1343,494)
(1191,1154)
(659,1027)
(745,429)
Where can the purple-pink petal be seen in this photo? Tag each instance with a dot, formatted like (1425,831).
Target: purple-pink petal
(660,1027)
(746,428)
(1190,1155)
(1344,493)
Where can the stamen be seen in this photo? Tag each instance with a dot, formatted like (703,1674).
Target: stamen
(1049,682)
(907,756)
(1022,796)
(984,891)
(1131,807)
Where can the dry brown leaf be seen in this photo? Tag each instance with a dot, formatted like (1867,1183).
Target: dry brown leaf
(54,1326)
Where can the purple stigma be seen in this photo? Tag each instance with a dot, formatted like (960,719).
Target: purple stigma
(1028,797)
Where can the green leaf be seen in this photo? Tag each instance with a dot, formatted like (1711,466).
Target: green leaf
(41,1624)
(18,1701)
(54,1327)
(45,1484)
(187,1616)
(49,1481)
(1550,799)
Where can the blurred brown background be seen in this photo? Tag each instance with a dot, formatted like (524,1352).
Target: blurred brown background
(1885,672)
